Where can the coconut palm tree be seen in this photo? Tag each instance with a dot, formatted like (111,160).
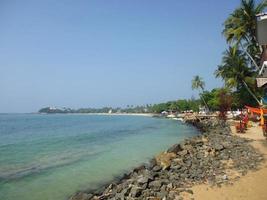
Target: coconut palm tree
(240,28)
(234,71)
(199,84)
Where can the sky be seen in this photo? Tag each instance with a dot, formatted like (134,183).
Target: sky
(95,53)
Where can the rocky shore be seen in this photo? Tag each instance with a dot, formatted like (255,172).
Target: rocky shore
(214,157)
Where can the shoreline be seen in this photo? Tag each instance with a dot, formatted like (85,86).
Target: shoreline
(172,173)
(105,114)
(123,114)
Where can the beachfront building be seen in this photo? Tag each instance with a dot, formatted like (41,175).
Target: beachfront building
(203,110)
(262,40)
(262,77)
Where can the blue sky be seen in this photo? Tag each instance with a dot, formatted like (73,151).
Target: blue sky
(107,53)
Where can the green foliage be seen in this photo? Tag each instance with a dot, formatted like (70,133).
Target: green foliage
(240,28)
(240,62)
(55,110)
(179,105)
(176,106)
(198,83)
(234,69)
(214,100)
(129,109)
(241,98)
(236,74)
(211,98)
(158,108)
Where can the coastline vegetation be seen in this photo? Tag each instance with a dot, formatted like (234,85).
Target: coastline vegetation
(175,106)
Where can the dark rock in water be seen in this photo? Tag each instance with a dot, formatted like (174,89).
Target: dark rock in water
(140,168)
(152,163)
(81,196)
(175,149)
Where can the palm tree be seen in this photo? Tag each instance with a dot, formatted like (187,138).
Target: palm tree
(235,72)
(240,28)
(199,84)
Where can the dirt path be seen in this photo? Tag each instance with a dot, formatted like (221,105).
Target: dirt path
(252,186)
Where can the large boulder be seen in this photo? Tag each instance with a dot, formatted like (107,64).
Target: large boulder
(175,149)
(164,159)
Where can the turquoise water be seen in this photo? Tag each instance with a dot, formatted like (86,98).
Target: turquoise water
(50,157)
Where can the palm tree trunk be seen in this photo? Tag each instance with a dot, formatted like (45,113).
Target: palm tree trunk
(206,105)
(251,93)
(248,54)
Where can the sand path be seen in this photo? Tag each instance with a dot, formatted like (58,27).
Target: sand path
(252,186)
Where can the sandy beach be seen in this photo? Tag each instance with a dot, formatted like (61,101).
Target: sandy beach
(252,186)
(127,114)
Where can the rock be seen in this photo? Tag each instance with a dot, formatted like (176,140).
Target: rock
(136,191)
(183,153)
(218,147)
(81,196)
(155,184)
(125,191)
(170,186)
(188,163)
(176,167)
(172,194)
(164,160)
(139,169)
(157,168)
(224,177)
(175,149)
(152,163)
(142,180)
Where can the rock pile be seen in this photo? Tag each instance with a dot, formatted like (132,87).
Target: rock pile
(214,157)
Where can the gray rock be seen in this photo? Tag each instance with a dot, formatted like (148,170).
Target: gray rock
(125,191)
(142,180)
(157,168)
(81,196)
(136,191)
(218,147)
(155,184)
(175,149)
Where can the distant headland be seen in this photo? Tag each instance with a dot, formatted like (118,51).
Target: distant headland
(170,106)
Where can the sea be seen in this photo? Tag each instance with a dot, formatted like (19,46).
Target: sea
(52,156)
